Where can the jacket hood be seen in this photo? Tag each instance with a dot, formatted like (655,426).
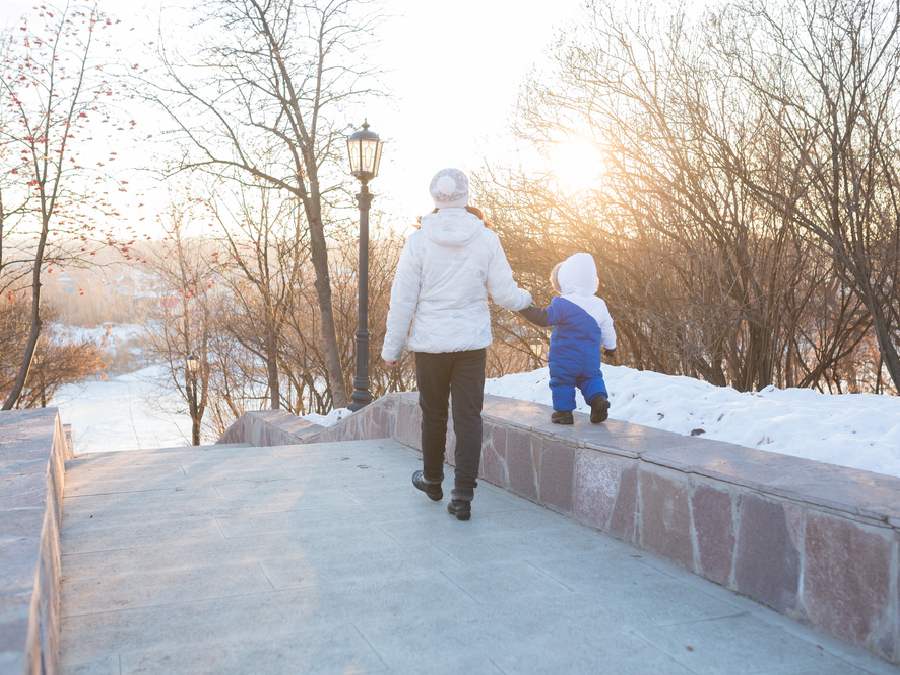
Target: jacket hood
(451,227)
(578,275)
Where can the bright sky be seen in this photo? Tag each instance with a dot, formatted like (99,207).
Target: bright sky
(457,72)
(454,72)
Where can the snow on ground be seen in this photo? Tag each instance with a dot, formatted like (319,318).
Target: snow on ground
(335,415)
(855,430)
(123,413)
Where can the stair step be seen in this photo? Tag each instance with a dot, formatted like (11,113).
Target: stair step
(153,451)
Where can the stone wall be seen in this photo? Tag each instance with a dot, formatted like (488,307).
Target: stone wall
(33,450)
(266,428)
(816,542)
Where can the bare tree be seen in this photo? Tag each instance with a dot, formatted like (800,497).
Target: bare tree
(261,100)
(266,244)
(58,359)
(181,324)
(828,75)
(704,276)
(48,88)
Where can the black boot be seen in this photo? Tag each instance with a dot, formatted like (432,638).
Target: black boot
(562,417)
(430,488)
(599,406)
(462,510)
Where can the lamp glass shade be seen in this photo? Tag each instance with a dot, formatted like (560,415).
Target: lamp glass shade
(364,151)
(193,364)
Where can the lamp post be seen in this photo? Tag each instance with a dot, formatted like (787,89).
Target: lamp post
(192,367)
(364,152)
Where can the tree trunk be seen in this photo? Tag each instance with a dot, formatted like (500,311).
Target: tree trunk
(272,369)
(883,334)
(339,397)
(34,333)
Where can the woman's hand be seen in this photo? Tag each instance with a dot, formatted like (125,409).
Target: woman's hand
(391,364)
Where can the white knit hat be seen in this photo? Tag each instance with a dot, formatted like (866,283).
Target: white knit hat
(450,189)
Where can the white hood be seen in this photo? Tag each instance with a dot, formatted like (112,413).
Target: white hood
(578,275)
(578,284)
(451,227)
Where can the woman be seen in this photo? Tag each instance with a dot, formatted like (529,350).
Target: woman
(439,298)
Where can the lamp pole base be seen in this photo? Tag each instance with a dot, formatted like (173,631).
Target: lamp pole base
(359,399)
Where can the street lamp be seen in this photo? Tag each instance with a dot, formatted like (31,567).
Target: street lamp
(364,152)
(192,368)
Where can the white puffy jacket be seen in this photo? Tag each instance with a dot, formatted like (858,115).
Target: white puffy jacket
(439,295)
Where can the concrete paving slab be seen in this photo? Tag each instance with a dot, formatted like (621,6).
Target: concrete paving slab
(83,537)
(261,616)
(109,666)
(12,662)
(731,644)
(369,544)
(126,506)
(855,658)
(170,480)
(466,663)
(324,559)
(595,571)
(338,651)
(492,583)
(823,669)
(150,587)
(623,654)
(330,567)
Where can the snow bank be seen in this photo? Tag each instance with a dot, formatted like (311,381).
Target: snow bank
(855,430)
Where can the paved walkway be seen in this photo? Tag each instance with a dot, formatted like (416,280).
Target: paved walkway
(324,559)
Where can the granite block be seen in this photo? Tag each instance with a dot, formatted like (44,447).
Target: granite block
(409,424)
(12,496)
(523,476)
(597,482)
(494,455)
(557,474)
(18,485)
(666,516)
(24,462)
(22,522)
(847,577)
(714,529)
(624,520)
(767,560)
(12,634)
(31,489)
(19,558)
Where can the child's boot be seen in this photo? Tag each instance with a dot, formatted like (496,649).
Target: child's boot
(563,417)
(599,406)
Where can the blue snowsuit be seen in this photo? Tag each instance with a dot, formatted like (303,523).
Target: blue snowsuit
(581,325)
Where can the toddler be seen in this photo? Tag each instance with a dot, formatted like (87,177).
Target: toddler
(581,325)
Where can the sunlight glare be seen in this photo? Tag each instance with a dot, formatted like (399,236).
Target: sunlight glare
(576,163)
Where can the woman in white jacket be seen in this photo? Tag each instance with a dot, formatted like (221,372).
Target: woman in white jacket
(439,310)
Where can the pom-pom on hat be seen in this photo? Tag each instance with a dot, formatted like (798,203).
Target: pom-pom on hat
(450,189)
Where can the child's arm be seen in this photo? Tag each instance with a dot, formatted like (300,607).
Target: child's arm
(535,315)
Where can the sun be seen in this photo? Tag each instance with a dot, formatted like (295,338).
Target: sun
(576,163)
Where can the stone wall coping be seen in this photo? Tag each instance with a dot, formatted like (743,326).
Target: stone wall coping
(33,450)
(865,494)
(269,427)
